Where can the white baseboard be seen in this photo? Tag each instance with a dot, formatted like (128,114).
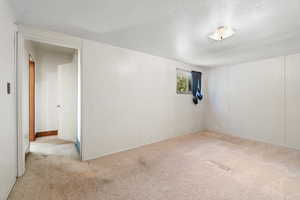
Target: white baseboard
(12,183)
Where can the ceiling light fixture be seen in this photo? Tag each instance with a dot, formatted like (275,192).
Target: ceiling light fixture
(222,33)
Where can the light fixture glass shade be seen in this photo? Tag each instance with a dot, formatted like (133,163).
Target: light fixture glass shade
(222,33)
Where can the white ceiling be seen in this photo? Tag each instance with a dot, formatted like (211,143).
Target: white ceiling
(176,29)
(53,48)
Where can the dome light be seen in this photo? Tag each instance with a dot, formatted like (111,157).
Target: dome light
(222,33)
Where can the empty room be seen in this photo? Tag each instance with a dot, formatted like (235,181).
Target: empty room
(140,99)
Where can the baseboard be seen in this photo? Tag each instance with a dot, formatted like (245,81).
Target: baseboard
(12,184)
(46,133)
(255,139)
(85,158)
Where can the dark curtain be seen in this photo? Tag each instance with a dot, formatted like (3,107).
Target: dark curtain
(196,90)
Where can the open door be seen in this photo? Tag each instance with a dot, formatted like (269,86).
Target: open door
(31,101)
(67,99)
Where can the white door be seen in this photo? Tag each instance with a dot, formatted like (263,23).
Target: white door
(67,101)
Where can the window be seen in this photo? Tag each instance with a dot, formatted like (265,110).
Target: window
(184,81)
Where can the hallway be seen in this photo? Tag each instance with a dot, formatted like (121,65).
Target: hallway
(52,145)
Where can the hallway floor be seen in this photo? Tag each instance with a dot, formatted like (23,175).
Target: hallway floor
(52,145)
(203,166)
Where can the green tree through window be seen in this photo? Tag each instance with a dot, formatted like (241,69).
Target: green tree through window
(184,82)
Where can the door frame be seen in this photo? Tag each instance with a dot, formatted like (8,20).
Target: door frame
(59,39)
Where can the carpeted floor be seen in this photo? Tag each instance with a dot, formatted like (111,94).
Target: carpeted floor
(203,166)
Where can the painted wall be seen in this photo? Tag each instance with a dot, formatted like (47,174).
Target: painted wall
(77,61)
(8,147)
(30,49)
(292,93)
(257,100)
(129,99)
(47,88)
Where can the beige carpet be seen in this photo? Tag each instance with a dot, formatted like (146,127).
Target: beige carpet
(194,167)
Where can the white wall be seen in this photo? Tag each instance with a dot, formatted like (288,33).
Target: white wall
(47,88)
(292,100)
(8,147)
(129,99)
(257,100)
(77,60)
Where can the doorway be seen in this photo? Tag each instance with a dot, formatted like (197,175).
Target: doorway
(22,69)
(53,99)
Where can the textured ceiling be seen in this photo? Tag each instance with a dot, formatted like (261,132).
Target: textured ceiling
(176,29)
(53,48)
